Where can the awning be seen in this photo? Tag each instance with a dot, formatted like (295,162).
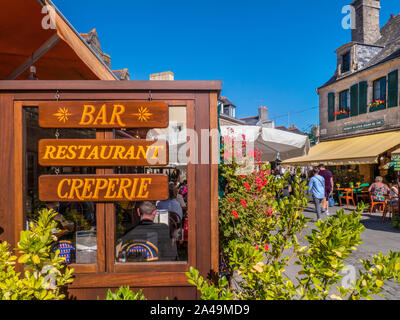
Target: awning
(270,141)
(57,54)
(355,150)
(397,151)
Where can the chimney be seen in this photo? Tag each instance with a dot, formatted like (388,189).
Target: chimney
(167,75)
(367,29)
(263,114)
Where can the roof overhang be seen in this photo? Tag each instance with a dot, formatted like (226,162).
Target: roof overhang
(35,32)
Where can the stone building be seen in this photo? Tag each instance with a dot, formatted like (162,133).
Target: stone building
(359,106)
(227,114)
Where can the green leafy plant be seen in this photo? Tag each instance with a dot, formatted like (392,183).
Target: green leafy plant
(124,293)
(259,236)
(44,276)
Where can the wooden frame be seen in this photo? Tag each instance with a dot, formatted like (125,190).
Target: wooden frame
(92,281)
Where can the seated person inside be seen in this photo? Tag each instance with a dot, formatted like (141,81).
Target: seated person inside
(156,233)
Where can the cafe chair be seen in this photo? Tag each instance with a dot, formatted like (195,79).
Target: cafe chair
(390,208)
(347,195)
(138,250)
(380,204)
(66,251)
(362,194)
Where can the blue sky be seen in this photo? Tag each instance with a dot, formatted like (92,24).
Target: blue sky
(272,53)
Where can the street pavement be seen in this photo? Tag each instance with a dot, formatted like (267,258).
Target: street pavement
(378,237)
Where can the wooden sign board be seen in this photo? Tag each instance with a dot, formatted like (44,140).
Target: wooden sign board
(396,162)
(103,188)
(103,114)
(102,153)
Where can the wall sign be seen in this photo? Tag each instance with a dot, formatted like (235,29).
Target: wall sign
(364,125)
(396,162)
(102,153)
(103,188)
(103,114)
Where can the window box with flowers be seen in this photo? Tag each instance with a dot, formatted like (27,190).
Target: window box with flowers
(377,105)
(342,113)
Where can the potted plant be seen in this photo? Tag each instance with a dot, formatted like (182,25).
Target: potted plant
(377,104)
(342,113)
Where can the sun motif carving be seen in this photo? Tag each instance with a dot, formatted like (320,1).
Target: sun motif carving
(143,114)
(62,114)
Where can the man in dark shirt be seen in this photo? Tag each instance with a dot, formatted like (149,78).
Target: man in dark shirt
(156,233)
(328,176)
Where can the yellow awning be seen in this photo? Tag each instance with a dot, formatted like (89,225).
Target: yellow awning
(397,151)
(356,150)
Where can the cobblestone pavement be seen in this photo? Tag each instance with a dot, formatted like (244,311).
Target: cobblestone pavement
(378,236)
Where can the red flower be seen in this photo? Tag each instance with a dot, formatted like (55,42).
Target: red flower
(247,186)
(235,214)
(266,247)
(231,200)
(256,247)
(270,212)
(243,202)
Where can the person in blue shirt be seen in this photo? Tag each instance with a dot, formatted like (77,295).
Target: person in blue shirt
(317,190)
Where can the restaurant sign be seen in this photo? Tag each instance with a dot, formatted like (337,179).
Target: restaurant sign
(364,125)
(103,188)
(103,114)
(102,153)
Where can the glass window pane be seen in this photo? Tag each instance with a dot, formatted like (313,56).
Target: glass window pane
(153,231)
(77,239)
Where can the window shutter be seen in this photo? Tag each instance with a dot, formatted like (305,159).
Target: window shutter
(393,87)
(363,101)
(331,107)
(354,100)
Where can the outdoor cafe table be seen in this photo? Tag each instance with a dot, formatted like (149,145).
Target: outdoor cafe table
(359,192)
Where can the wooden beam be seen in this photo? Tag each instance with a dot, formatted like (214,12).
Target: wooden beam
(48,45)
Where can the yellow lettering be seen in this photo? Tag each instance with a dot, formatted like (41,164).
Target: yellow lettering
(102,151)
(75,186)
(118,154)
(60,186)
(94,154)
(143,193)
(130,153)
(87,114)
(141,151)
(83,151)
(87,187)
(49,152)
(124,185)
(117,111)
(102,115)
(71,152)
(135,182)
(101,184)
(61,152)
(111,187)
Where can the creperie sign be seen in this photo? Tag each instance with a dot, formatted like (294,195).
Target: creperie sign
(103,188)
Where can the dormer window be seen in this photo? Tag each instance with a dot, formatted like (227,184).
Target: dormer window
(346,62)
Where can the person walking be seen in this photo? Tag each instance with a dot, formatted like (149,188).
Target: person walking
(328,177)
(317,190)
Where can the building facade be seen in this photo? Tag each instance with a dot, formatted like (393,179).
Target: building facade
(363,95)
(359,105)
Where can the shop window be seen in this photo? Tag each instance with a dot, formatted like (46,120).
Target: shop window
(77,236)
(346,62)
(156,231)
(344,105)
(379,89)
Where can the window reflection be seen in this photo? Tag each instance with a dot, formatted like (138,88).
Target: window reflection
(77,238)
(156,230)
